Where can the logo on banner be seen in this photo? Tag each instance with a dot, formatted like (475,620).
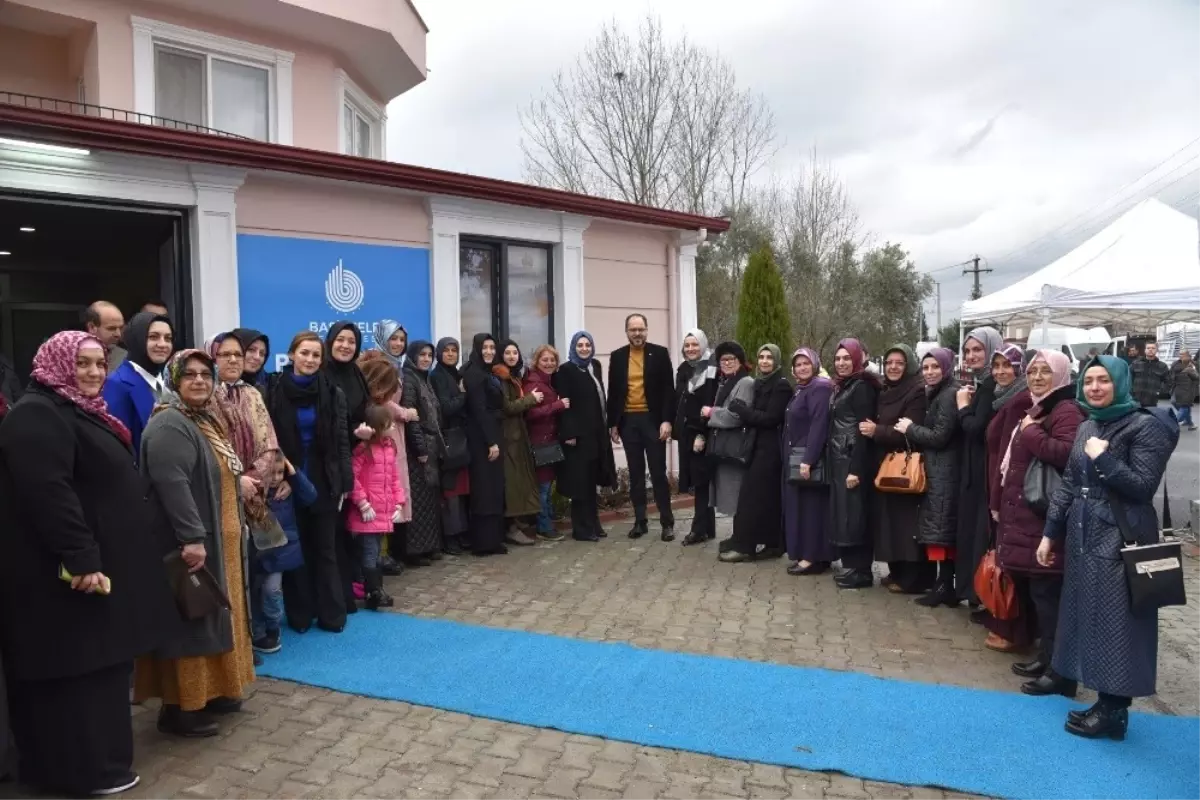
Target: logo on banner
(344,290)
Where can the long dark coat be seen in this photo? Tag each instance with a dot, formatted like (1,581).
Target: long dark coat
(422,438)
(70,495)
(848,452)
(485,409)
(896,516)
(1100,642)
(941,450)
(1185,383)
(974,519)
(759,517)
(688,424)
(520,482)
(805,507)
(453,407)
(589,462)
(1019,530)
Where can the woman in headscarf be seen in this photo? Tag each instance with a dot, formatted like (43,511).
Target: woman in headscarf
(583,431)
(485,441)
(695,388)
(542,421)
(1116,465)
(734,382)
(243,412)
(309,414)
(392,340)
(134,388)
(71,500)
(975,410)
(256,349)
(805,430)
(1011,402)
(456,481)
(205,667)
(938,440)
(520,482)
(851,466)
(758,523)
(1047,433)
(423,451)
(896,516)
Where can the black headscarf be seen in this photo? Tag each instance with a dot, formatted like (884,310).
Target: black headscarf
(410,363)
(248,336)
(137,332)
(725,383)
(442,344)
(477,370)
(516,370)
(346,375)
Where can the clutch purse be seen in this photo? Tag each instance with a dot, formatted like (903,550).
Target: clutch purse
(197,594)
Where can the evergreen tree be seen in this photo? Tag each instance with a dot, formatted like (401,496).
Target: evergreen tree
(762,309)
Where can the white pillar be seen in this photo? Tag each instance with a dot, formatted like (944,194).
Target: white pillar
(214,251)
(568,288)
(445,312)
(689,243)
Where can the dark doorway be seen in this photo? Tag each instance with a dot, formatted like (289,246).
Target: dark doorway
(57,256)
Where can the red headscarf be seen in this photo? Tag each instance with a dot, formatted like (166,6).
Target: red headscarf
(54,368)
(858,364)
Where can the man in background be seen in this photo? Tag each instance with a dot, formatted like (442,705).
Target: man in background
(1151,377)
(156,307)
(105,321)
(1185,385)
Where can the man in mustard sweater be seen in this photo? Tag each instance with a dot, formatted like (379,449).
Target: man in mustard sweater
(641,391)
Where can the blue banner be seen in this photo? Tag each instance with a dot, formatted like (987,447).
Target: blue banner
(287,285)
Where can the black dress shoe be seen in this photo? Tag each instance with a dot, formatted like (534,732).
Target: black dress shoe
(1049,684)
(815,568)
(189,724)
(1075,715)
(592,538)
(694,537)
(331,628)
(223,705)
(853,579)
(1101,721)
(939,595)
(1030,669)
(668,533)
(390,567)
(640,528)
(452,547)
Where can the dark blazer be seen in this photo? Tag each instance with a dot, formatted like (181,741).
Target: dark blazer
(130,399)
(659,380)
(584,422)
(71,495)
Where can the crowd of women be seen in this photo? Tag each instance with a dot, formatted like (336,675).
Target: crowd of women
(287,497)
(825,469)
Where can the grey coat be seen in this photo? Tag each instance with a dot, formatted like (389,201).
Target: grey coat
(186,483)
(1185,383)
(1100,642)
(727,476)
(937,440)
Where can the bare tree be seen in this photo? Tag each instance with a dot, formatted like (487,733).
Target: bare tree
(649,122)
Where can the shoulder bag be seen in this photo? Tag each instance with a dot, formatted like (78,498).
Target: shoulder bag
(457,454)
(1041,482)
(816,472)
(1153,572)
(732,444)
(902,473)
(545,455)
(197,594)
(995,588)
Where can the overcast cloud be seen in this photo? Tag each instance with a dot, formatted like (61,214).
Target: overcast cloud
(958,127)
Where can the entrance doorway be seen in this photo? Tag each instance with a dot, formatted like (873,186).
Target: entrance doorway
(57,256)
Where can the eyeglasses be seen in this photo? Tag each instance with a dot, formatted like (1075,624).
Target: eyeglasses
(203,377)
(230,356)
(729,359)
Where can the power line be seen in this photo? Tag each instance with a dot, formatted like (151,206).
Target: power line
(975,272)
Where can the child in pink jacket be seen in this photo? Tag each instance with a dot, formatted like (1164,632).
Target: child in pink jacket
(375,501)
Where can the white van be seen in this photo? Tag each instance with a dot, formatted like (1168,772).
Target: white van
(1075,343)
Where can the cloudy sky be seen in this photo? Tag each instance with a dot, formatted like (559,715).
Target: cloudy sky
(1009,128)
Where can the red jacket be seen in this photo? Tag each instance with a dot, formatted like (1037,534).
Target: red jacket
(999,430)
(1019,530)
(376,481)
(542,419)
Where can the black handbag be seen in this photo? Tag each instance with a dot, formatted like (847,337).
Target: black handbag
(1153,572)
(545,455)
(816,472)
(732,444)
(197,594)
(457,454)
(1041,482)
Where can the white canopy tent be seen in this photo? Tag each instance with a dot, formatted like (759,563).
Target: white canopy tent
(1140,271)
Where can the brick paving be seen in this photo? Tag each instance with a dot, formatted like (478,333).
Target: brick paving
(299,741)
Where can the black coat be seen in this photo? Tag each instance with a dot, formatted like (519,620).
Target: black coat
(974,517)
(584,422)
(657,379)
(848,452)
(688,424)
(938,439)
(71,495)
(896,516)
(759,518)
(484,414)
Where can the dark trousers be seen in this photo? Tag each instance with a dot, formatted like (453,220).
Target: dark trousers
(913,577)
(696,467)
(639,436)
(1046,591)
(858,557)
(73,735)
(314,590)
(585,517)
(349,562)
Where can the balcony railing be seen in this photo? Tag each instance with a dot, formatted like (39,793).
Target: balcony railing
(103,112)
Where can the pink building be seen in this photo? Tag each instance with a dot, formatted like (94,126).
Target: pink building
(227,157)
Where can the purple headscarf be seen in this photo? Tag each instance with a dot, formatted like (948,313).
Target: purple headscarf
(945,359)
(1014,355)
(816,379)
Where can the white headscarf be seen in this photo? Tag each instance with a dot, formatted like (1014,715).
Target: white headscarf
(704,368)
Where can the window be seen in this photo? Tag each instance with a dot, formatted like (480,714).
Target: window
(363,120)
(211,81)
(504,289)
(357,132)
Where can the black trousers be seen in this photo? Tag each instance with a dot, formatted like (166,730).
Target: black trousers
(349,561)
(639,435)
(585,517)
(314,590)
(73,735)
(1046,591)
(857,557)
(696,467)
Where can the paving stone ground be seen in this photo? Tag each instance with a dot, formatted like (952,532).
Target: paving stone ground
(299,741)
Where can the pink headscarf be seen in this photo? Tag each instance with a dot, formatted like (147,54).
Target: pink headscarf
(54,368)
(1060,367)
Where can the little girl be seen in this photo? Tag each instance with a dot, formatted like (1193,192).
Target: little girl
(375,500)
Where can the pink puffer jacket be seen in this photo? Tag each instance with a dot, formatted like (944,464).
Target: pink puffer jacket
(376,481)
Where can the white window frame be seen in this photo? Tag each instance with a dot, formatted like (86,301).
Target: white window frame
(349,93)
(149,34)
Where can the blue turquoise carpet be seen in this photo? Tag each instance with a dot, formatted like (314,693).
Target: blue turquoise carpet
(994,743)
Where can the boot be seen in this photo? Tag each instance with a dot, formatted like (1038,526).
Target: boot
(1102,720)
(941,593)
(452,546)
(390,566)
(188,724)
(377,598)
(1050,683)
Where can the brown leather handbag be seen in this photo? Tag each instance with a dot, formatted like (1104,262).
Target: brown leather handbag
(901,473)
(995,588)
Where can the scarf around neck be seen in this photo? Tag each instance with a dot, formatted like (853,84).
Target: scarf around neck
(208,417)
(1060,369)
(704,368)
(54,368)
(382,332)
(574,357)
(1123,403)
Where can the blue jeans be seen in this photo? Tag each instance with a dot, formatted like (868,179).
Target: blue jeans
(370,546)
(266,603)
(545,517)
(1184,414)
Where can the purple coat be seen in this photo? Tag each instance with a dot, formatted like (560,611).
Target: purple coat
(805,509)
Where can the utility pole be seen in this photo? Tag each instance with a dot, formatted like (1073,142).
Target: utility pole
(937,287)
(975,271)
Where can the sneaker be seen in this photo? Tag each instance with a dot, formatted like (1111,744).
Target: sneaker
(268,643)
(519,537)
(550,536)
(125,784)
